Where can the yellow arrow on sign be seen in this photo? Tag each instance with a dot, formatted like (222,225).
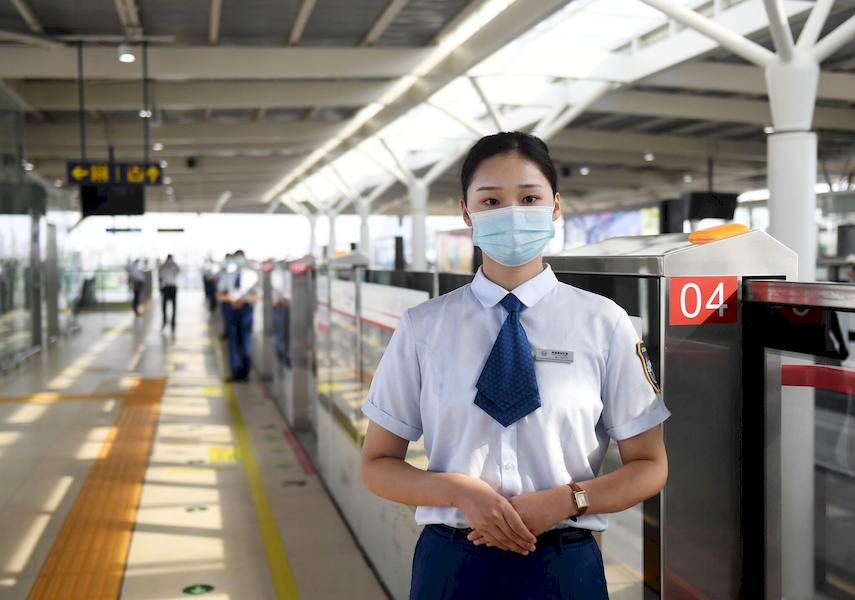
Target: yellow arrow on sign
(153,173)
(79,172)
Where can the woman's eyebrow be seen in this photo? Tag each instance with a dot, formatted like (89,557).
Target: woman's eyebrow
(488,188)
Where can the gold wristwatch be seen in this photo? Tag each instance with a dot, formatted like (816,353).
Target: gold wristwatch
(581,498)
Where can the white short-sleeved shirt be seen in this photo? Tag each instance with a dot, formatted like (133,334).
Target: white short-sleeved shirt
(169,274)
(135,272)
(228,281)
(425,385)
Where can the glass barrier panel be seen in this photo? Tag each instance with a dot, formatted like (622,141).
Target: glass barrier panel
(810,409)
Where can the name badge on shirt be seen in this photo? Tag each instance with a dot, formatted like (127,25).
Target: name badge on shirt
(564,356)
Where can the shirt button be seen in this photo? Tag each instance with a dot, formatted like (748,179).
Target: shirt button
(508,466)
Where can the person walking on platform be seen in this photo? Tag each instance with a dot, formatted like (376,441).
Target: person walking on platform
(168,275)
(517,383)
(137,280)
(240,290)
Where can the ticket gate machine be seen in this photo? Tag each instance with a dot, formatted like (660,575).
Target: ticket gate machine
(291,309)
(685,300)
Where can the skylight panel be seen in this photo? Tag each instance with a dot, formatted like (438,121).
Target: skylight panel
(626,8)
(514,90)
(459,90)
(608,26)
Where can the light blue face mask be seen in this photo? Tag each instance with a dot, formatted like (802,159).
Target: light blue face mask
(514,235)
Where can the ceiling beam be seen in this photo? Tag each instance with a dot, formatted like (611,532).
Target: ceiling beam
(660,145)
(301,19)
(29,40)
(172,95)
(181,63)
(214,23)
(383,21)
(129,16)
(127,150)
(635,160)
(741,79)
(684,106)
(32,21)
(195,134)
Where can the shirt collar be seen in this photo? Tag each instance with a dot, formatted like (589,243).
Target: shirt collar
(490,294)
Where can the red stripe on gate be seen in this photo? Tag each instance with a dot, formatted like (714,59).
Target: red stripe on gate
(826,377)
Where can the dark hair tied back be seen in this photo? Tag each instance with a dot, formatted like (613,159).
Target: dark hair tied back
(528,146)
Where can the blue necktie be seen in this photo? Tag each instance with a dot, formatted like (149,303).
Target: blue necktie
(237,281)
(507,388)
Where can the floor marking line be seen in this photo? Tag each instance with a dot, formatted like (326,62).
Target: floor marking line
(300,452)
(48,398)
(280,566)
(90,553)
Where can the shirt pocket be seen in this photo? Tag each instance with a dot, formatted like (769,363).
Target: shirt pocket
(570,397)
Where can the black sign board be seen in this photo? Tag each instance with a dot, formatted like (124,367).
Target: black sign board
(112,200)
(711,205)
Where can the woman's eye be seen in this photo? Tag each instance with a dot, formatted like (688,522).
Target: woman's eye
(491,202)
(529,199)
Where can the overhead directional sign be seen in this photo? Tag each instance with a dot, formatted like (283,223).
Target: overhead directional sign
(94,173)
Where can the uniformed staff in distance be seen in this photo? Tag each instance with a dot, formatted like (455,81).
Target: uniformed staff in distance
(517,383)
(240,290)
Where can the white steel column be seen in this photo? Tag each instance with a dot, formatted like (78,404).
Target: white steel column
(364,209)
(331,244)
(312,239)
(792,198)
(419,192)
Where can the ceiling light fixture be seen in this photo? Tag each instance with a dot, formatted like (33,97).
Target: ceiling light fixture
(28,166)
(768,129)
(57,183)
(126,53)
(145,114)
(170,191)
(584,171)
(157,146)
(687,178)
(167,180)
(163,164)
(648,156)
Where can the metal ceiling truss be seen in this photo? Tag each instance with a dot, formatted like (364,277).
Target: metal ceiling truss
(745,18)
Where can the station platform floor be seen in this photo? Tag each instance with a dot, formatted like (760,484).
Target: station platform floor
(129,470)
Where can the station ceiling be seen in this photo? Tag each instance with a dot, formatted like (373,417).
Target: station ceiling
(243,92)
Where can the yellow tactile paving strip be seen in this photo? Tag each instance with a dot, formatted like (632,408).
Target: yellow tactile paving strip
(87,560)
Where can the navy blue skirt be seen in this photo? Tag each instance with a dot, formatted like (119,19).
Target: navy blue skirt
(448,566)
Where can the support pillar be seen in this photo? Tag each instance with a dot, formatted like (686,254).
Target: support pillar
(35,280)
(791,166)
(419,192)
(792,198)
(331,244)
(791,178)
(364,209)
(312,238)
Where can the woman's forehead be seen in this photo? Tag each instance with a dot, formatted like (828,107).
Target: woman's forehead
(508,168)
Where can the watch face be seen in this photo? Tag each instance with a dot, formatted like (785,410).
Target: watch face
(581,499)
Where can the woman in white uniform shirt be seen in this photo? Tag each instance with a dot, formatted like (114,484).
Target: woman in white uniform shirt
(511,493)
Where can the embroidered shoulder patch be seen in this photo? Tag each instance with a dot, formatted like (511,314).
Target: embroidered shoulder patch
(641,350)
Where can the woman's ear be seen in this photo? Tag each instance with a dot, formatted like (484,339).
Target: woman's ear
(465,212)
(556,209)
